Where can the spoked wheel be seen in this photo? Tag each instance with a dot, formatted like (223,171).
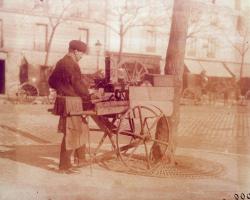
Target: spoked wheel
(135,71)
(27,93)
(141,139)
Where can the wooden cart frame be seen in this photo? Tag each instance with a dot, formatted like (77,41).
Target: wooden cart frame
(133,127)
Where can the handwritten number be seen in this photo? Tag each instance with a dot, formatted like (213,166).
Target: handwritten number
(242,196)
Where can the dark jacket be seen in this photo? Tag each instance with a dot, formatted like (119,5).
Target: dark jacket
(66,79)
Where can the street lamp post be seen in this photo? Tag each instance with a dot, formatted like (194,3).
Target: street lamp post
(98,46)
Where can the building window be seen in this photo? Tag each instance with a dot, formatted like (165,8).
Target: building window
(80,8)
(41,37)
(151,41)
(191,46)
(214,19)
(211,48)
(1,33)
(237,4)
(84,35)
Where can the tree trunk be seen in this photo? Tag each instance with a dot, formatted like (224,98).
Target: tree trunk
(121,35)
(49,45)
(241,65)
(177,40)
(175,62)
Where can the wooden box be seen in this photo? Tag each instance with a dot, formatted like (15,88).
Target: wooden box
(111,107)
(161,97)
(151,93)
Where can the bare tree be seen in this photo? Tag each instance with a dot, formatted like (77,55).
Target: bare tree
(130,14)
(242,45)
(56,13)
(202,19)
(239,41)
(175,58)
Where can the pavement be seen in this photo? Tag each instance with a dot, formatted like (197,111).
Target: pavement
(212,155)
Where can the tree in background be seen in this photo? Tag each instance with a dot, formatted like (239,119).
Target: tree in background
(241,45)
(57,12)
(127,14)
(202,19)
(239,39)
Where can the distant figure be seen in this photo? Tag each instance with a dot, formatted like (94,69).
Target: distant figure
(212,91)
(203,84)
(24,71)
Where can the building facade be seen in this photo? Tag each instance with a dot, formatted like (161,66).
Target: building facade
(26,27)
(25,32)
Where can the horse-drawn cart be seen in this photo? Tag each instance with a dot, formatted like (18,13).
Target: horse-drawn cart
(32,83)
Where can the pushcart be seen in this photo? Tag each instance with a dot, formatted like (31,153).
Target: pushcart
(138,128)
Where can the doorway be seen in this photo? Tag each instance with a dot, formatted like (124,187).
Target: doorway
(2,76)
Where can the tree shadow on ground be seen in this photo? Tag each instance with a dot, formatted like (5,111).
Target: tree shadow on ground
(42,156)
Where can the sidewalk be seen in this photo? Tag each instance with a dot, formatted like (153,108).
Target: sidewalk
(212,155)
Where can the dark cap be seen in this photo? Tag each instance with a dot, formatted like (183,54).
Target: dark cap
(78,45)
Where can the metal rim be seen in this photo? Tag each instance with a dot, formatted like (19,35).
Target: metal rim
(135,71)
(27,92)
(136,138)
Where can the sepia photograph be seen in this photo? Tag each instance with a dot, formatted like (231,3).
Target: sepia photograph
(124,99)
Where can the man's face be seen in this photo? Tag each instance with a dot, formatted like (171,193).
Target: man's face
(78,55)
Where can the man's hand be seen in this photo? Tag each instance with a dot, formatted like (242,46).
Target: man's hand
(94,97)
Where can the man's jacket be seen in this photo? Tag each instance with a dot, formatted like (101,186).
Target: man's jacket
(66,79)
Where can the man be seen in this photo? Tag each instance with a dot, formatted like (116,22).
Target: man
(66,80)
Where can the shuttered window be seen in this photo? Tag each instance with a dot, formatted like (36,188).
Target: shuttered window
(151,41)
(41,37)
(191,46)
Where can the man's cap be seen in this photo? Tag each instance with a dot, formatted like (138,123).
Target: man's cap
(78,45)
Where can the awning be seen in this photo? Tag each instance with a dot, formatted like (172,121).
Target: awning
(215,69)
(235,69)
(193,66)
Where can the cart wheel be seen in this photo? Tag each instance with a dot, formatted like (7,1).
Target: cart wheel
(135,71)
(141,143)
(27,93)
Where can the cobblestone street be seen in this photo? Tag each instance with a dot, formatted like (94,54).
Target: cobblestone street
(215,128)
(212,156)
